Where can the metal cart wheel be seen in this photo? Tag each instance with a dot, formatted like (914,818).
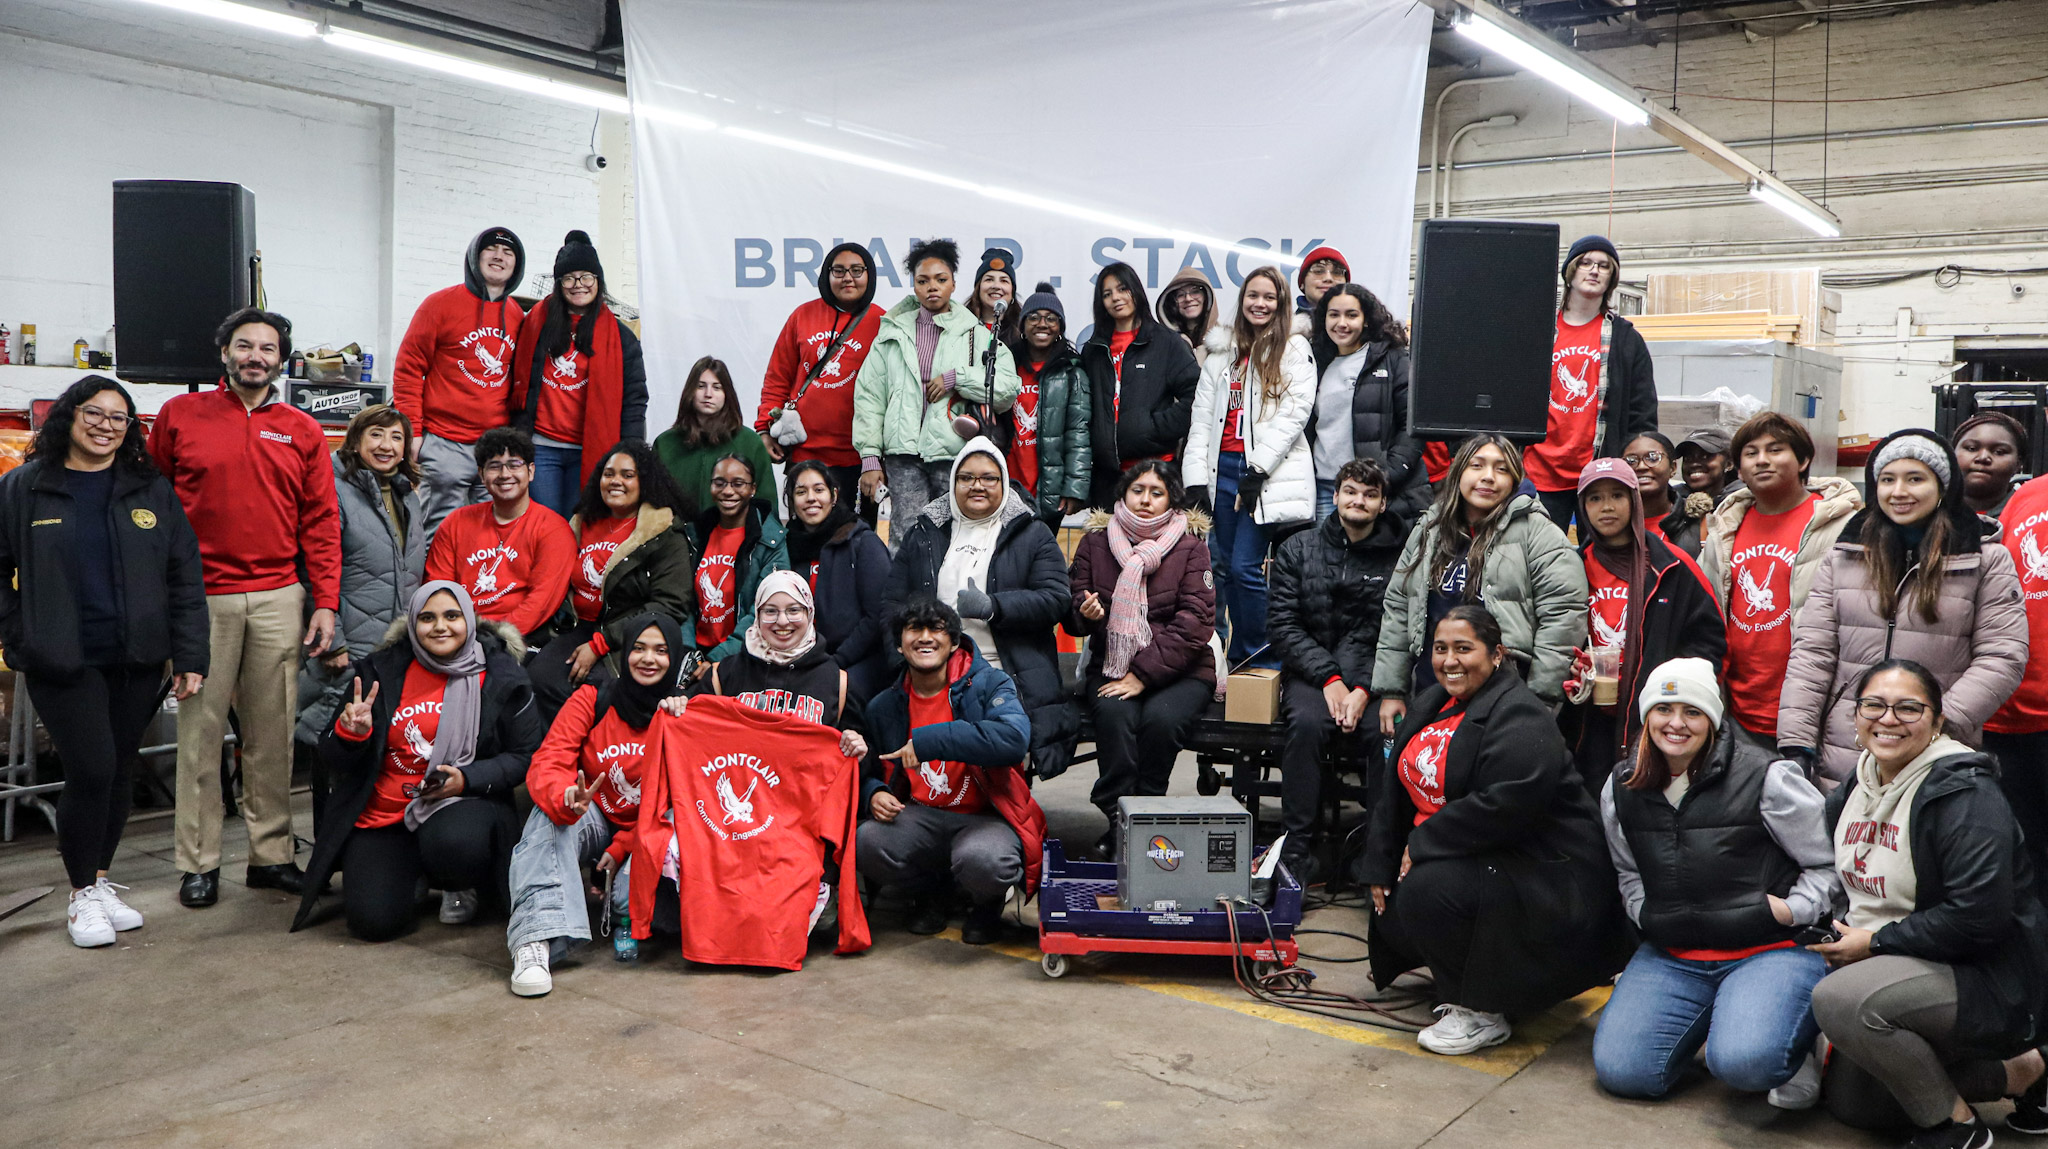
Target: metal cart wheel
(1261,968)
(1054,965)
(1208,782)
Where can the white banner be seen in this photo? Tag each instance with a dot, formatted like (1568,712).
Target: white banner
(1215,134)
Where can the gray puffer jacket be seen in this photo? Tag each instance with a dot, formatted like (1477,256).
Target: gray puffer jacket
(1976,648)
(378,576)
(1532,580)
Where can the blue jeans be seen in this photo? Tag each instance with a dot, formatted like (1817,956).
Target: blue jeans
(1237,549)
(1326,498)
(547,881)
(1755,1016)
(557,478)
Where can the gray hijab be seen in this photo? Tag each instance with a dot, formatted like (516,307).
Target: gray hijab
(461,698)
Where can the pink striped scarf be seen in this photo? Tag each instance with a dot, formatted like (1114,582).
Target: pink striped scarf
(1130,630)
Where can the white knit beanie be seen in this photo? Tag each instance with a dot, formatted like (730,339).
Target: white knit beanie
(1689,681)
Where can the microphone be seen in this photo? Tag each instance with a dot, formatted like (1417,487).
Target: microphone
(1002,305)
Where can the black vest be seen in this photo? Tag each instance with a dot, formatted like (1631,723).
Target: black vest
(1707,863)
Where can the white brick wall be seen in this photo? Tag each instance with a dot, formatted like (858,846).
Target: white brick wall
(454,158)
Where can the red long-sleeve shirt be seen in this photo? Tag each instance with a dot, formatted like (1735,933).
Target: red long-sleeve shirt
(827,405)
(453,374)
(612,757)
(518,571)
(258,489)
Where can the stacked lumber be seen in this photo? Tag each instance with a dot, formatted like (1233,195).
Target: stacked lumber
(1719,325)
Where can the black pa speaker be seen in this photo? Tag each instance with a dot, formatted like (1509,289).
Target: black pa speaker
(1485,323)
(183,253)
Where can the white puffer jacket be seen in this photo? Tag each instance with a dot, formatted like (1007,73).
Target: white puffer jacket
(1274,436)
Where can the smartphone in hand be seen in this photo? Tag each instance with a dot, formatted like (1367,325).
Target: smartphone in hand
(1816,935)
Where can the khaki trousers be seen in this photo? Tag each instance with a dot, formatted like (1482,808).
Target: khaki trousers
(255,645)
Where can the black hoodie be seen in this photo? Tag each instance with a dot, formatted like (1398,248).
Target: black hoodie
(825,402)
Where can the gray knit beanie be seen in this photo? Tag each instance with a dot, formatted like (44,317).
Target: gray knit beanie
(1921,449)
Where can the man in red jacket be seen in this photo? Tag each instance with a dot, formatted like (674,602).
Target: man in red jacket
(454,371)
(253,474)
(515,556)
(820,350)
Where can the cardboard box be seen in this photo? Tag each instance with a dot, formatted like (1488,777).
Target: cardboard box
(1253,696)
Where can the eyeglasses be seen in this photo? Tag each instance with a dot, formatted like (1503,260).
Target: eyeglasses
(1650,457)
(505,466)
(1907,711)
(1041,319)
(966,480)
(849,272)
(732,484)
(94,417)
(778,613)
(579,279)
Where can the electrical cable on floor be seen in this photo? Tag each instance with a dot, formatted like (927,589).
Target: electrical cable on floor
(1289,988)
(1299,930)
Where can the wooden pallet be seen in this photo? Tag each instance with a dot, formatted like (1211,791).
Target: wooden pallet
(1719,325)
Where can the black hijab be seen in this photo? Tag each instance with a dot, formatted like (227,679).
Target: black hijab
(636,702)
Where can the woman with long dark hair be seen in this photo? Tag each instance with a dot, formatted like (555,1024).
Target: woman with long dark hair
(99,588)
(707,429)
(1149,420)
(632,557)
(1910,577)
(581,384)
(995,281)
(1480,542)
(1248,437)
(846,566)
(1361,411)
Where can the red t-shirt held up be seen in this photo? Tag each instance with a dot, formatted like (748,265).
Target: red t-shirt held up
(755,803)
(935,782)
(2026,535)
(716,589)
(1554,464)
(1760,612)
(518,571)
(595,544)
(1024,445)
(1421,767)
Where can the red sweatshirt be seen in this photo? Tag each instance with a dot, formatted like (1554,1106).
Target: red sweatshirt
(258,488)
(754,802)
(827,405)
(454,369)
(517,571)
(611,754)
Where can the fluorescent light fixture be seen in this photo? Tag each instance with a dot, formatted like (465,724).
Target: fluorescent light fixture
(1583,84)
(482,73)
(244,15)
(1822,225)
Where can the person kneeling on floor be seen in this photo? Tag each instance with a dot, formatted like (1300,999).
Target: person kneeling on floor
(585,784)
(951,806)
(1485,856)
(423,760)
(1723,856)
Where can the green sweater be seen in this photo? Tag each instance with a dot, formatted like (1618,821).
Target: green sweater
(692,466)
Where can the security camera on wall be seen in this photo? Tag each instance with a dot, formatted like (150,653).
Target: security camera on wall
(594,162)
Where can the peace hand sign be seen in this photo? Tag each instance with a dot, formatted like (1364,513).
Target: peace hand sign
(355,717)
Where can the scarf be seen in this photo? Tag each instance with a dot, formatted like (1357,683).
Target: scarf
(797,587)
(461,695)
(1139,545)
(604,405)
(634,700)
(807,543)
(972,543)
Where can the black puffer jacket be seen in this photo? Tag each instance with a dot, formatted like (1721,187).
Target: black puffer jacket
(1325,598)
(1027,579)
(1978,908)
(1158,398)
(509,729)
(1379,425)
(163,601)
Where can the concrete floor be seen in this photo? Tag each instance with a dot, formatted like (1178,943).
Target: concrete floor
(216,1027)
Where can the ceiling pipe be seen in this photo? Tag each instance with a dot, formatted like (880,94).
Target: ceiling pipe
(1436,126)
(1503,120)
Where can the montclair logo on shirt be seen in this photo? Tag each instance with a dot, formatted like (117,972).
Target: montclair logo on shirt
(784,702)
(2033,560)
(490,357)
(501,551)
(737,777)
(621,749)
(275,436)
(831,376)
(415,710)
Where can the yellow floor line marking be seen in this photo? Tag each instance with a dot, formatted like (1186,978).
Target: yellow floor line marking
(1532,1035)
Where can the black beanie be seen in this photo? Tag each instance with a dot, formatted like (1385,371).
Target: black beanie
(1043,299)
(1591,243)
(577,254)
(996,259)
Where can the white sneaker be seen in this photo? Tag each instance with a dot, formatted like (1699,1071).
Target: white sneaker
(1461,1031)
(458,908)
(119,912)
(530,977)
(1802,1091)
(87,920)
